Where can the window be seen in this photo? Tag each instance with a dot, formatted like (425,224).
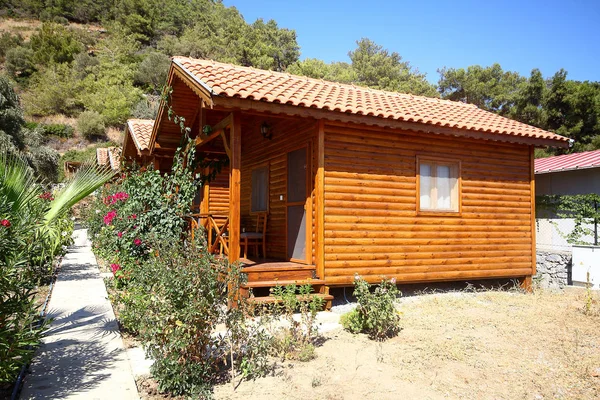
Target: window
(439,185)
(260,189)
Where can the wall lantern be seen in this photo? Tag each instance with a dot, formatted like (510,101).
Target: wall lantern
(265,130)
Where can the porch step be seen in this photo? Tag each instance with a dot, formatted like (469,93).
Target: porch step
(271,299)
(283,282)
(270,272)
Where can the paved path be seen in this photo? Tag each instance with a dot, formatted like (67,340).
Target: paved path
(83,354)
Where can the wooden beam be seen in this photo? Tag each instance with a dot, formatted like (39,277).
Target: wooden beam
(217,129)
(227,148)
(235,187)
(526,282)
(337,117)
(320,201)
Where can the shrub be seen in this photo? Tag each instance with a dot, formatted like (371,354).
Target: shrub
(53,90)
(9,41)
(34,228)
(297,341)
(91,124)
(60,130)
(19,62)
(180,299)
(375,314)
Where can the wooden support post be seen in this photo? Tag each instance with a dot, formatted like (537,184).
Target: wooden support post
(234,187)
(320,202)
(526,283)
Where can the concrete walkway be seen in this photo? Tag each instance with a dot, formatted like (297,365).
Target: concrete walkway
(82,355)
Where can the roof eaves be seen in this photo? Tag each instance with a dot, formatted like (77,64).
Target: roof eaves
(575,168)
(134,137)
(194,77)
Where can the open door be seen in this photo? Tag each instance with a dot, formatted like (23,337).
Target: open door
(297,193)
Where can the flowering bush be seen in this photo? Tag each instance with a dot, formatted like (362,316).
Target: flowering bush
(375,314)
(141,206)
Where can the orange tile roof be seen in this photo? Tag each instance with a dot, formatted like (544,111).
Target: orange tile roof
(114,156)
(141,131)
(275,87)
(102,156)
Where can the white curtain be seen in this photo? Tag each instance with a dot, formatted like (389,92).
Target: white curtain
(444,187)
(425,183)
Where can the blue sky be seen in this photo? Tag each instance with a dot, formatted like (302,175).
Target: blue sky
(520,35)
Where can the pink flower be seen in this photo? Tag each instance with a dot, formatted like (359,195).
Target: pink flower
(137,241)
(46,196)
(133,216)
(393,280)
(122,196)
(114,268)
(5,223)
(120,234)
(108,218)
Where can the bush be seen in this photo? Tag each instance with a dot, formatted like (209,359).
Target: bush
(9,41)
(53,90)
(91,124)
(34,229)
(297,342)
(60,130)
(375,314)
(19,62)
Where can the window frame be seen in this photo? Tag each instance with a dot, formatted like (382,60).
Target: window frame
(265,166)
(434,162)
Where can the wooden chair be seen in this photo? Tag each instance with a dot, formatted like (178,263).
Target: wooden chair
(256,238)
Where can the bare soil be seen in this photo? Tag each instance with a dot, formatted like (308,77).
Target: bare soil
(487,345)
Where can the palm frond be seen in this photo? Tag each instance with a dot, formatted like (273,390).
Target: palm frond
(85,181)
(17,182)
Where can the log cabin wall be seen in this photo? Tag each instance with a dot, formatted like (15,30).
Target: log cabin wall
(288,134)
(218,204)
(372,227)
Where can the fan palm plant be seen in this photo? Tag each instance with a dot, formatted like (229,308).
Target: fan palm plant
(30,236)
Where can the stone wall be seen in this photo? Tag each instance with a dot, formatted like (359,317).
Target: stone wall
(553,269)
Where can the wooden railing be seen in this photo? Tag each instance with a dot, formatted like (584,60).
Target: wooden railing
(209,221)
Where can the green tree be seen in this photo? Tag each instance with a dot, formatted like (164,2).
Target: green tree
(18,141)
(376,67)
(54,43)
(152,71)
(19,62)
(529,101)
(489,88)
(54,90)
(336,72)
(267,46)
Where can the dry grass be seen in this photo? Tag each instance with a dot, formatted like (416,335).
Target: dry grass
(27,27)
(487,345)
(115,135)
(23,27)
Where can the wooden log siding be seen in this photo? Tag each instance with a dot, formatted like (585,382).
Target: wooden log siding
(218,204)
(288,134)
(371,224)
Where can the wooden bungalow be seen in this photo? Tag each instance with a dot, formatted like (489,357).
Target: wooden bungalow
(137,141)
(355,180)
(109,157)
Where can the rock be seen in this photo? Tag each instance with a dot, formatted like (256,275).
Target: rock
(553,258)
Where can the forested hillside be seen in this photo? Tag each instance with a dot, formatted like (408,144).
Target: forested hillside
(99,62)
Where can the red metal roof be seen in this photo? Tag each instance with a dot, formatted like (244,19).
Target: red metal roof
(568,162)
(275,87)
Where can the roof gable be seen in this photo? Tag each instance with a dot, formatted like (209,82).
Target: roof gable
(141,132)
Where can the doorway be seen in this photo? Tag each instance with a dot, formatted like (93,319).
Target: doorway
(297,193)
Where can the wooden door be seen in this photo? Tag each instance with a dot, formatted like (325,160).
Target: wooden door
(297,193)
